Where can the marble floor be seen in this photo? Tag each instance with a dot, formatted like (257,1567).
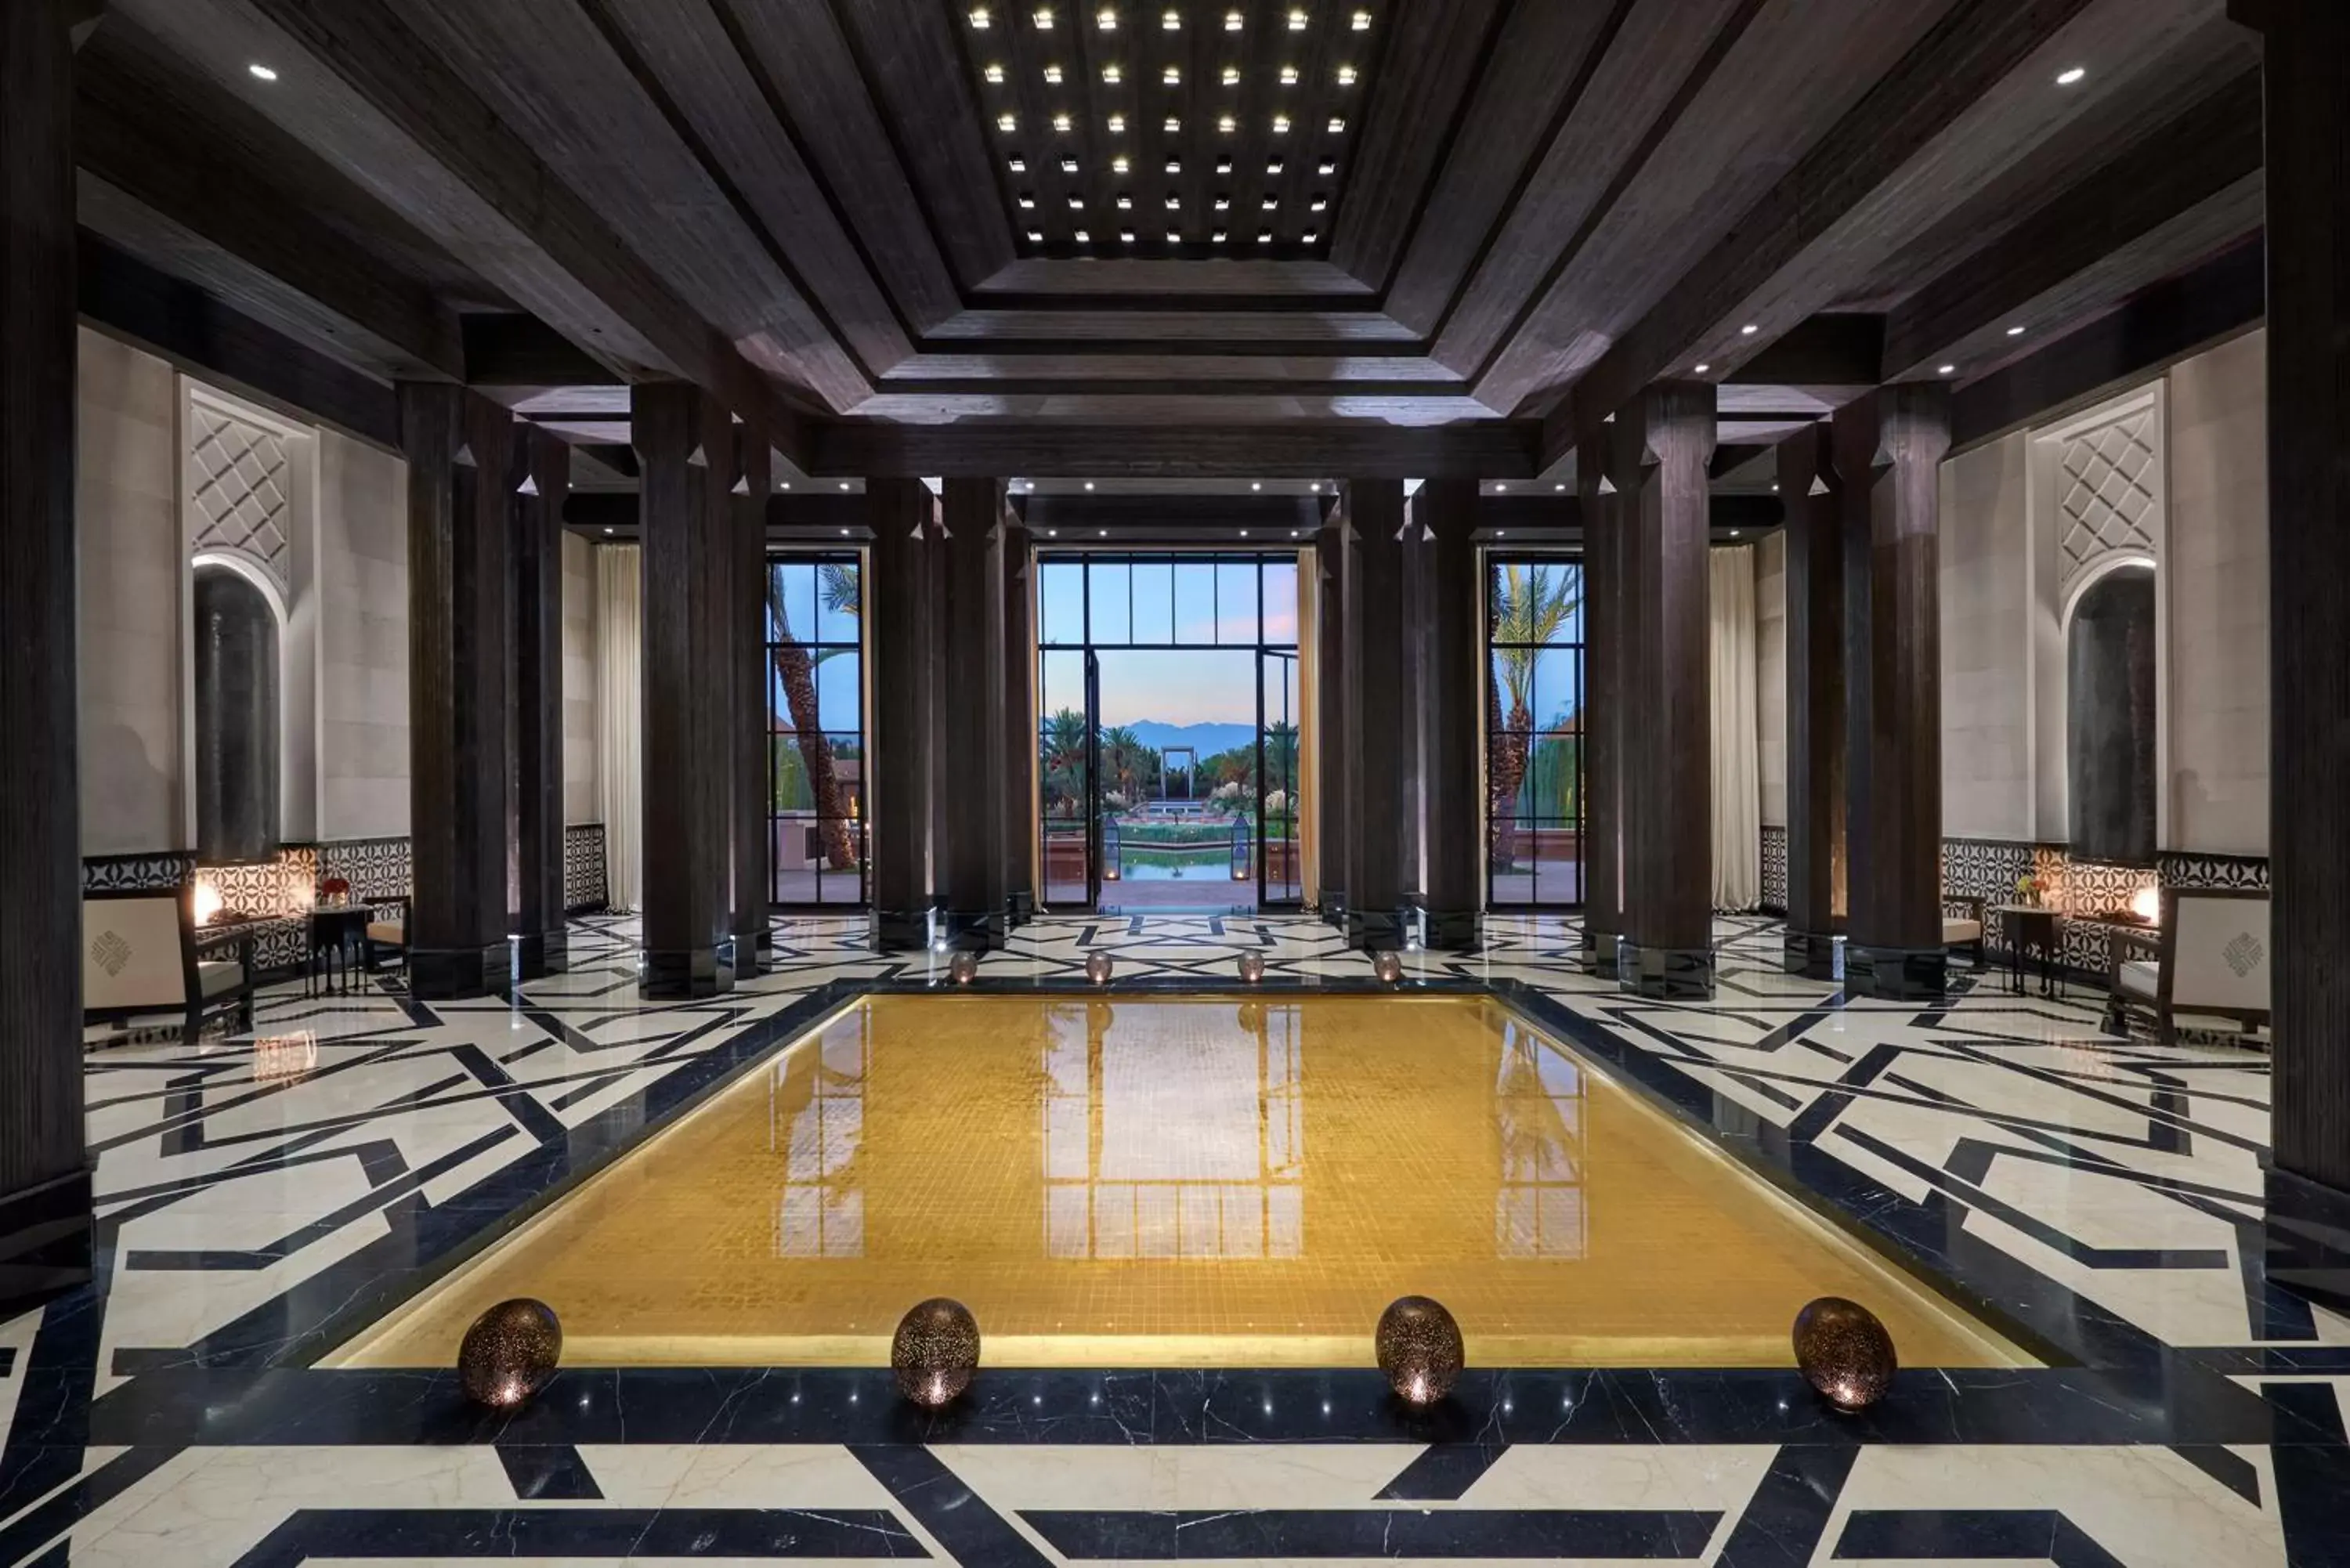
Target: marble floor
(264,1198)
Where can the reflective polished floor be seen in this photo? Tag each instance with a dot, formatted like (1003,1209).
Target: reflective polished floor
(1157,1182)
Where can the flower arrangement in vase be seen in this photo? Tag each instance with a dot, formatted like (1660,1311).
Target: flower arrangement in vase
(2028,889)
(334,892)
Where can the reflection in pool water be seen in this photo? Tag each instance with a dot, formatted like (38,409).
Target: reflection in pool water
(1159,1181)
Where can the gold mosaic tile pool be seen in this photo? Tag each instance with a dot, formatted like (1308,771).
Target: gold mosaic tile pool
(1168,1182)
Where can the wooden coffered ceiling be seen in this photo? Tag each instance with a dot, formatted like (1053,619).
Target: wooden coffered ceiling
(1492,216)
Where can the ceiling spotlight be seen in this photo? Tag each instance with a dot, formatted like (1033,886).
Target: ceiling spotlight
(1125,202)
(1733,533)
(1099,533)
(1044,18)
(1499,487)
(1558,487)
(1265,238)
(1702,370)
(1061,123)
(1255,485)
(1337,126)
(1309,236)
(1272,166)
(1174,236)
(1082,237)
(1362,21)
(980,18)
(844,484)
(1077,204)
(1329,166)
(1231,76)
(1053,76)
(1232,21)
(1243,533)
(1749,330)
(1227,124)
(1174,203)
(1281,125)
(1113,74)
(1319,202)
(787,485)
(1006,123)
(1174,166)
(1171,125)
(1946,369)
(607,530)
(1090,484)
(1171,20)
(844,533)
(1106,19)
(1289,76)
(1314,488)
(1036,236)
(2067,77)
(1018,166)
(995,73)
(1346,76)
(1126,235)
(2015,332)
(1118,165)
(1118,125)
(1270,202)
(1293,532)
(1218,237)
(1172,76)
(1297,21)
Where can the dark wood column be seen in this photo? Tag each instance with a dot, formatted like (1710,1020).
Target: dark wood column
(972,716)
(898,613)
(1667,948)
(44,1186)
(1330,710)
(541,947)
(685,455)
(1603,702)
(1378,722)
(1814,499)
(1449,686)
(2307,45)
(1889,449)
(1020,726)
(460,480)
(750,844)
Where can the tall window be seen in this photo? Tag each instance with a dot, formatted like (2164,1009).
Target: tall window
(815,725)
(1534,726)
(237,719)
(2110,718)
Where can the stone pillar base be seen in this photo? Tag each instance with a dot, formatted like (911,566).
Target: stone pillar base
(1452,930)
(1897,974)
(2308,1228)
(1376,930)
(1664,974)
(1599,952)
(453,974)
(974,930)
(682,974)
(900,930)
(538,954)
(1333,908)
(46,1240)
(1812,954)
(1020,909)
(743,954)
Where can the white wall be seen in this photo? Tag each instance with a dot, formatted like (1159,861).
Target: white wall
(126,524)
(1987,639)
(362,640)
(1770,674)
(2218,601)
(582,797)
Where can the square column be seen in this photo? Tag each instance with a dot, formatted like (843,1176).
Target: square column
(1813,498)
(749,843)
(1019,727)
(45,1170)
(1602,703)
(541,946)
(1379,725)
(1889,449)
(1449,689)
(970,670)
(1662,443)
(685,455)
(1330,713)
(462,479)
(2307,80)
(898,612)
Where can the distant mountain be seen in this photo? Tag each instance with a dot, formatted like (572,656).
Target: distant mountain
(1206,739)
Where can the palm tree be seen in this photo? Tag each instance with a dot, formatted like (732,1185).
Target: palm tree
(1530,603)
(796,670)
(1126,760)
(1061,751)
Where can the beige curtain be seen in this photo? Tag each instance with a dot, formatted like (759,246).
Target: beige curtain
(1737,770)
(620,690)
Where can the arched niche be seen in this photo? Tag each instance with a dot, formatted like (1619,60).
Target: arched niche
(238,716)
(2111,650)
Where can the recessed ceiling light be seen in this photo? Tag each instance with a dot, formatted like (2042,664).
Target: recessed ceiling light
(1293,532)
(1125,202)
(1171,125)
(1051,533)
(1077,204)
(607,530)
(1297,21)
(1243,533)
(1006,123)
(1118,124)
(1053,76)
(1061,123)
(1018,166)
(2067,77)
(1499,487)
(980,18)
(844,533)
(787,485)
(1225,123)
(1044,18)
(1319,202)
(1309,236)
(1702,370)
(1346,76)
(1500,532)
(1036,236)
(1218,237)
(1126,235)
(1270,202)
(261,72)
(1113,74)
(1749,330)
(1733,533)
(1255,485)
(1083,238)
(1265,238)
(844,484)
(1172,76)
(1945,370)
(1272,166)
(1281,125)
(1118,165)
(1329,166)
(1231,76)
(1174,203)
(1362,21)
(2015,332)
(1171,20)
(1174,236)
(1106,19)
(1090,484)
(1337,126)
(1289,76)
(1174,166)
(1314,488)
(995,73)
(1558,487)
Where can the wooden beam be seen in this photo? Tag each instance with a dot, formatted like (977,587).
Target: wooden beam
(363,91)
(1488,450)
(180,321)
(515,348)
(2192,189)
(1832,349)
(2160,327)
(1957,111)
(174,199)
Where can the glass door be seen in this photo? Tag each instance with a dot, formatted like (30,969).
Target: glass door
(1280,877)
(1096,850)
(1065,758)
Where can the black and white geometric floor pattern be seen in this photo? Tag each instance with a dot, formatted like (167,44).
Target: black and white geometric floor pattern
(256,1192)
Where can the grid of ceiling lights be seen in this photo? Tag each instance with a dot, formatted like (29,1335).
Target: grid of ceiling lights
(1113,25)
